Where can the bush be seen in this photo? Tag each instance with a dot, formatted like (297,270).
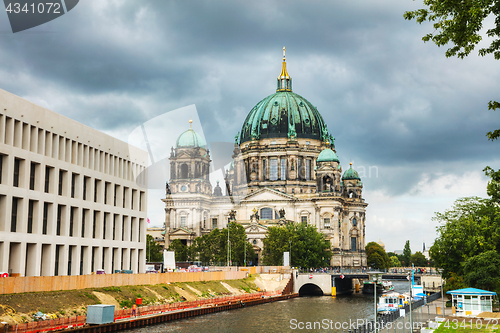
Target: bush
(126,303)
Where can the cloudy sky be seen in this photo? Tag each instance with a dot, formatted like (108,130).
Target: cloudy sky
(396,106)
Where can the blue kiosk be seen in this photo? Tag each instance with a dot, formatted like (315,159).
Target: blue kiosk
(471,301)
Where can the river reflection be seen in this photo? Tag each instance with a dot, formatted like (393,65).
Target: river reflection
(284,316)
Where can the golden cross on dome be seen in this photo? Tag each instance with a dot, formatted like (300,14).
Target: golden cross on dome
(283,53)
(190,123)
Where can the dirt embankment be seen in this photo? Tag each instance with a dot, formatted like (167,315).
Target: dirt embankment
(18,308)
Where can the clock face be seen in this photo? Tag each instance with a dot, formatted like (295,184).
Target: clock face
(183,188)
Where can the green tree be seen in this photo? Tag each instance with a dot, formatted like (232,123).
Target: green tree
(309,247)
(395,261)
(181,250)
(418,259)
(376,257)
(470,228)
(406,255)
(154,251)
(459,24)
(483,270)
(213,247)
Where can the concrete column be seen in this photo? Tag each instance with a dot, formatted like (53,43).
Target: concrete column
(75,260)
(4,256)
(33,259)
(135,257)
(126,258)
(48,259)
(87,260)
(98,258)
(16,258)
(118,259)
(108,253)
(142,261)
(63,259)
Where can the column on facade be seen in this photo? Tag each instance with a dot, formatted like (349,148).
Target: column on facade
(126,258)
(33,256)
(108,253)
(48,259)
(63,259)
(118,259)
(87,259)
(142,261)
(135,257)
(75,260)
(4,256)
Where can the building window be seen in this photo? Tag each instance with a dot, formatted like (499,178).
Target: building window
(106,193)
(116,190)
(266,214)
(303,219)
(47,179)
(274,168)
(58,225)
(32,176)
(327,223)
(1,167)
(13,221)
(283,169)
(30,216)
(85,180)
(353,244)
(96,184)
(56,271)
(308,169)
(94,222)
(183,221)
(73,184)
(299,169)
(71,221)
(354,222)
(264,170)
(104,226)
(214,223)
(17,163)
(60,187)
(84,213)
(45,217)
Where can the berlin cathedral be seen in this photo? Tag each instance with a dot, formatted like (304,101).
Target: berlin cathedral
(284,169)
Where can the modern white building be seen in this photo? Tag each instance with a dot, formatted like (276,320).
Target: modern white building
(70,199)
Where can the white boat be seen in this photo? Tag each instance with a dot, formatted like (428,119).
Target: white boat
(387,286)
(391,302)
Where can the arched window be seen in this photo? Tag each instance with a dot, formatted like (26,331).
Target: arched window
(266,214)
(354,222)
(184,171)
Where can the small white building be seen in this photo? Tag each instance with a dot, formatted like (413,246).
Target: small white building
(471,301)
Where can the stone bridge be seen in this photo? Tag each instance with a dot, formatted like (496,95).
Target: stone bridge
(333,284)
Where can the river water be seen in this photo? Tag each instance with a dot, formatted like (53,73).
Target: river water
(329,313)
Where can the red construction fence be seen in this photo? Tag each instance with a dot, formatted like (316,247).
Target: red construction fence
(125,314)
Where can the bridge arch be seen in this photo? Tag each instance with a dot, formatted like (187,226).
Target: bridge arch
(310,289)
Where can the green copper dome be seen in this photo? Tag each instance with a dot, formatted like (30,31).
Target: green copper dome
(284,114)
(327,155)
(281,115)
(190,139)
(350,174)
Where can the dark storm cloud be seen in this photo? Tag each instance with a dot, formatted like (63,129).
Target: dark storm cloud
(390,100)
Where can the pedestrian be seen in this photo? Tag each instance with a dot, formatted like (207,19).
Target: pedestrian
(134,308)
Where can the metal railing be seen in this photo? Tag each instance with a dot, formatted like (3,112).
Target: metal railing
(127,314)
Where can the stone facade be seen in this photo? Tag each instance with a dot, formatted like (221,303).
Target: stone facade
(284,169)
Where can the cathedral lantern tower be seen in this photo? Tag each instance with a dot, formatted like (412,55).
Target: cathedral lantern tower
(190,164)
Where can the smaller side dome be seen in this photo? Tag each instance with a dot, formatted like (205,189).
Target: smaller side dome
(190,139)
(327,155)
(350,174)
